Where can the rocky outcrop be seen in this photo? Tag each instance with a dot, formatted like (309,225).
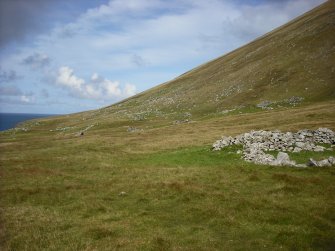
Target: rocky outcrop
(257,143)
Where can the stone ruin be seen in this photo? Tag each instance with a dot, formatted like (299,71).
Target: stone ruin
(257,143)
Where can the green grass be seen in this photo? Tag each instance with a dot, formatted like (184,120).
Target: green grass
(304,156)
(194,156)
(187,198)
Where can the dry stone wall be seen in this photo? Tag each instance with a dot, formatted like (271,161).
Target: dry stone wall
(257,143)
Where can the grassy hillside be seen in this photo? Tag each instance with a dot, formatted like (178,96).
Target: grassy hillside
(143,177)
(296,59)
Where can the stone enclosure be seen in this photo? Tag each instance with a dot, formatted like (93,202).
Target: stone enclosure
(257,143)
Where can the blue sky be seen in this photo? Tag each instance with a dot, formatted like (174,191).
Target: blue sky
(68,56)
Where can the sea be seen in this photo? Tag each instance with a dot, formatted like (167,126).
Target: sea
(10,120)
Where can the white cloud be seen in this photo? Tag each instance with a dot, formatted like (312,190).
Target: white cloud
(97,88)
(67,78)
(25,99)
(111,88)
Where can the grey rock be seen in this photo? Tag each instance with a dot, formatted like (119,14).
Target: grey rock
(223,142)
(331,160)
(256,143)
(300,144)
(134,129)
(294,100)
(319,149)
(283,157)
(264,104)
(325,130)
(312,162)
(177,122)
(283,160)
(297,149)
(322,163)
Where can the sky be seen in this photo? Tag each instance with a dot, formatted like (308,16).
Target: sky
(66,56)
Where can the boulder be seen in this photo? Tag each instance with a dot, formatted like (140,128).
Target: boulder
(322,163)
(283,160)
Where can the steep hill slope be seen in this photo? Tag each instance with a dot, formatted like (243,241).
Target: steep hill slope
(295,60)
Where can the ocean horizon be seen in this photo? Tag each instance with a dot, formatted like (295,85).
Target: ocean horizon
(10,120)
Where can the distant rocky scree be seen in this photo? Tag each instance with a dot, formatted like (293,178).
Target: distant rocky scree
(257,143)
